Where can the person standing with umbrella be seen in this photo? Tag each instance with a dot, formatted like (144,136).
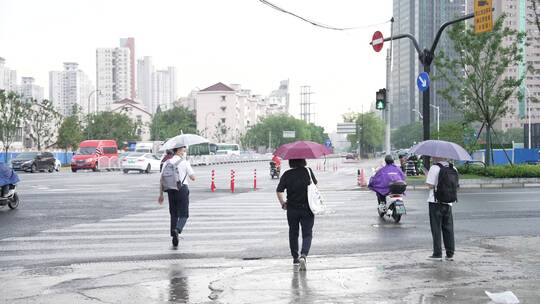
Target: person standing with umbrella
(296,181)
(443,182)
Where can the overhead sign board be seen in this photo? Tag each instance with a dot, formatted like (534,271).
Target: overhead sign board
(483,16)
(346,128)
(377,41)
(289,134)
(423,81)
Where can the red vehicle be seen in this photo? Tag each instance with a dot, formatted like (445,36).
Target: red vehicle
(95,154)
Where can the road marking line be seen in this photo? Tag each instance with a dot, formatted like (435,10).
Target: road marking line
(109,254)
(133,236)
(135,243)
(164,227)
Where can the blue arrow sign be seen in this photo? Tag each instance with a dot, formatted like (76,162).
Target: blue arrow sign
(423,81)
(328,143)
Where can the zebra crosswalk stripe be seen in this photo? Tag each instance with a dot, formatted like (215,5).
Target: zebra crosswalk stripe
(214,227)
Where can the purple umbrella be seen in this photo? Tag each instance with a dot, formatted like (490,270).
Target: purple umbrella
(442,149)
(302,149)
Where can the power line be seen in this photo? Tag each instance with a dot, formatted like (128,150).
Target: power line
(318,24)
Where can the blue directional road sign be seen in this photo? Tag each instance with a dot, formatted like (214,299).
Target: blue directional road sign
(328,143)
(423,81)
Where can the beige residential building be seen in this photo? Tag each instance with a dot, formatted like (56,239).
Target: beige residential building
(226,112)
(218,113)
(137,112)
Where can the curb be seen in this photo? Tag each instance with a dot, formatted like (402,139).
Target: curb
(484,186)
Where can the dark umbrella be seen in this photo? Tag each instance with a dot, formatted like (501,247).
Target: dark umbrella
(302,150)
(442,149)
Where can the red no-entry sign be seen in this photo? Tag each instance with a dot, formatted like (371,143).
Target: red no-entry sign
(377,41)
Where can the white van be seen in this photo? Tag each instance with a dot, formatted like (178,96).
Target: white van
(229,149)
(148,146)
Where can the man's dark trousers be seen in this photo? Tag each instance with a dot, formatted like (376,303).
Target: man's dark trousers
(306,219)
(441,221)
(178,208)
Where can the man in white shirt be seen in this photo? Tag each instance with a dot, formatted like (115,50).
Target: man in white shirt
(178,199)
(440,215)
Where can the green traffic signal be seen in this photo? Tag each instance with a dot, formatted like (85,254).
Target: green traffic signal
(380,104)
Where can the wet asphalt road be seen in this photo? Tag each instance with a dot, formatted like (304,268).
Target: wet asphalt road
(67,218)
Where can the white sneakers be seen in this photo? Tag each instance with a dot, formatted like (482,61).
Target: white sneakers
(302,261)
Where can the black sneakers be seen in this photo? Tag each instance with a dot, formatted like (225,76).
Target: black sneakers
(175,238)
(435,257)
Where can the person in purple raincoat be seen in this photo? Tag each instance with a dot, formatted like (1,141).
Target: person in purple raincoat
(8,178)
(380,182)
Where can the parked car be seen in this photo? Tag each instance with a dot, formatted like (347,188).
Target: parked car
(91,152)
(142,162)
(33,162)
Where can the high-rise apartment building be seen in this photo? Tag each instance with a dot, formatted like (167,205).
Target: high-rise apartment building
(71,87)
(422,19)
(165,89)
(156,88)
(113,76)
(519,16)
(130,44)
(145,74)
(8,77)
(30,91)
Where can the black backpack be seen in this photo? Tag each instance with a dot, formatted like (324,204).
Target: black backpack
(446,191)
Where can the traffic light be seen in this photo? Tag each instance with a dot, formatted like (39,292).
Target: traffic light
(380,103)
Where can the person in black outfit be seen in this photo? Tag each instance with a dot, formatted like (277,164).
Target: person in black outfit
(296,181)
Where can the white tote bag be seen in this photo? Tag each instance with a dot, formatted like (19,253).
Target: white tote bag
(314,197)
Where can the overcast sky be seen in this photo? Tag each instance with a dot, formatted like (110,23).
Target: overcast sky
(209,41)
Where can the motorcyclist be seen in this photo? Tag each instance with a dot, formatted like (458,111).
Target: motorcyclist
(8,179)
(277,163)
(380,182)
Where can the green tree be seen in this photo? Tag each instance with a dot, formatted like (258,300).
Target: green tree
(457,132)
(406,136)
(269,132)
(371,131)
(475,83)
(70,133)
(43,121)
(515,135)
(12,112)
(111,125)
(167,124)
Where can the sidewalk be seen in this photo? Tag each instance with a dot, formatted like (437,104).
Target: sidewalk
(496,265)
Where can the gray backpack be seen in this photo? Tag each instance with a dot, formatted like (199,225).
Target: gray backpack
(170,180)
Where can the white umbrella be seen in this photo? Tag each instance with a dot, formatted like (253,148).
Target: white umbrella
(183,140)
(440,148)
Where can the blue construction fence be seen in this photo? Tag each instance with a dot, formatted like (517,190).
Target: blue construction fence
(517,156)
(63,157)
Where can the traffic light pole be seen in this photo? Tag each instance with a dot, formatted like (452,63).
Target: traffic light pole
(426,58)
